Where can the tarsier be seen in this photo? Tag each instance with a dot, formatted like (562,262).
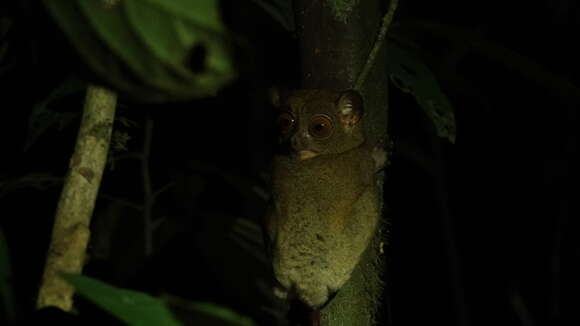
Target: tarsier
(325,206)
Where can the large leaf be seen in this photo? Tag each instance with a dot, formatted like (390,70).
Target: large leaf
(132,307)
(203,13)
(223,313)
(151,49)
(408,72)
(97,55)
(171,40)
(140,309)
(206,314)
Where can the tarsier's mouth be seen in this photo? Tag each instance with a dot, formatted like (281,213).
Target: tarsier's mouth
(306,154)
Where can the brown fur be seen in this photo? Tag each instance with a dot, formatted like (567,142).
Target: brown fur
(325,209)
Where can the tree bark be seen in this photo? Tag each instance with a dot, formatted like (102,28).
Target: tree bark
(70,233)
(335,38)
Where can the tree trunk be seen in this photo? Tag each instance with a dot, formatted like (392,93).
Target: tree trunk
(335,38)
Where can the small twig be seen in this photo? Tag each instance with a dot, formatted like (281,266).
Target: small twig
(387,19)
(161,190)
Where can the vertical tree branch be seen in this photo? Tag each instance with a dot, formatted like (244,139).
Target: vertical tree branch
(70,233)
(387,19)
(335,38)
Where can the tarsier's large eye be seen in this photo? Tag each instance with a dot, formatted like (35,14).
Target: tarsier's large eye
(286,123)
(320,126)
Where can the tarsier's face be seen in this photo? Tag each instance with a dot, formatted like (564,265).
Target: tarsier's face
(316,122)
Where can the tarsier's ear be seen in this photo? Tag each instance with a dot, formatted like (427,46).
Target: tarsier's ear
(350,108)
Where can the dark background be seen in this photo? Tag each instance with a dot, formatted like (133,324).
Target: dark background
(481,232)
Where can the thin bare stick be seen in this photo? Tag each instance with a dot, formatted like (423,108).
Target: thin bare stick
(387,19)
(70,233)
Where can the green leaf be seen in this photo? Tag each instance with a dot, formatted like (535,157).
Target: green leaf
(111,26)
(207,313)
(222,313)
(151,49)
(7,302)
(204,13)
(166,46)
(131,307)
(408,73)
(97,55)
(172,41)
